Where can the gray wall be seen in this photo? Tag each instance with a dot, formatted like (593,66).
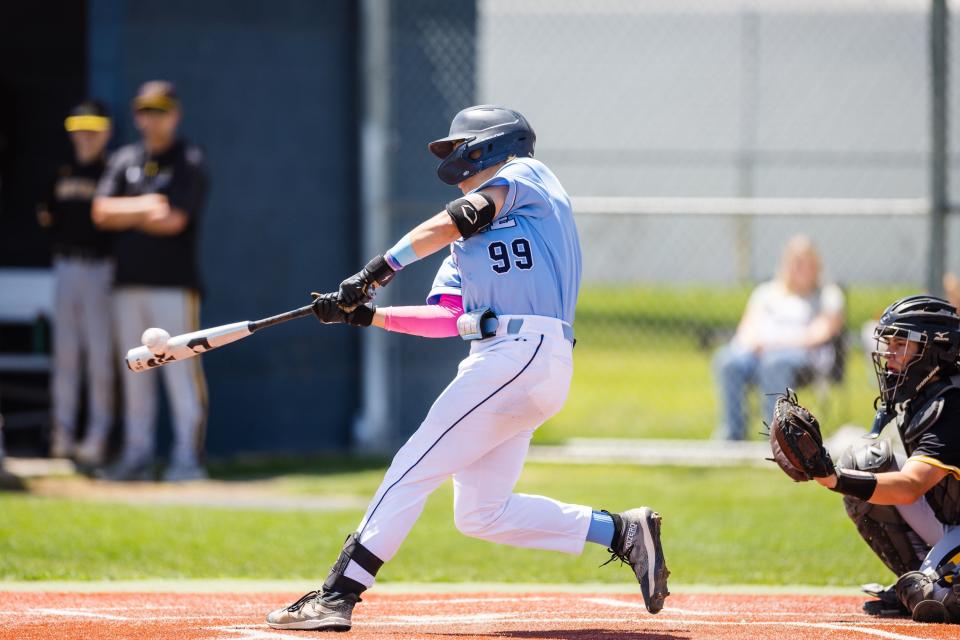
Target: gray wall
(704,98)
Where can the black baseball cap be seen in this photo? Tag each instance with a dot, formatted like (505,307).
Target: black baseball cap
(156,95)
(89,115)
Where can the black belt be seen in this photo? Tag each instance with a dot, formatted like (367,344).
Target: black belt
(82,253)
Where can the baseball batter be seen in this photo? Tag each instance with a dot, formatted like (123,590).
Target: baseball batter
(509,286)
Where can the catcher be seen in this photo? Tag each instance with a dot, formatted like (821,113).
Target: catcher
(907,509)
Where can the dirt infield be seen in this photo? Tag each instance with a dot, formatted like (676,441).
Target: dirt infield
(463,616)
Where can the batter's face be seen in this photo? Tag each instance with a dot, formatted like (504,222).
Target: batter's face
(88,145)
(475,181)
(899,353)
(158,128)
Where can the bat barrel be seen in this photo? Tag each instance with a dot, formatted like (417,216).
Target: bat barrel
(187,345)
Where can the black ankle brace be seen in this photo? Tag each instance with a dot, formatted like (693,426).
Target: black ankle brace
(617,528)
(352,550)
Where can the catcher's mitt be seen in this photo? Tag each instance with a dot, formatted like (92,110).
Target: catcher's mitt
(796,441)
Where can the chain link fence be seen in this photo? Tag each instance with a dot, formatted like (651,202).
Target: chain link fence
(697,137)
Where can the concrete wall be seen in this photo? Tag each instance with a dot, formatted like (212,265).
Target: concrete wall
(702,98)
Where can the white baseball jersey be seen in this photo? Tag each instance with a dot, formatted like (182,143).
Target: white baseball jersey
(527,262)
(525,265)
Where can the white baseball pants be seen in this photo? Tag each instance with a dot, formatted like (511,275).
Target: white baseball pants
(82,337)
(943,539)
(478,431)
(178,311)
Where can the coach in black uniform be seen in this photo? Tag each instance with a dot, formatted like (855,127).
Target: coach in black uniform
(908,509)
(153,193)
(83,271)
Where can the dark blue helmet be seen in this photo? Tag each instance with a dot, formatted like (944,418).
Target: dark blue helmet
(481,137)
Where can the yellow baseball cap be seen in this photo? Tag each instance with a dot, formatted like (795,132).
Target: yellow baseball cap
(156,95)
(89,115)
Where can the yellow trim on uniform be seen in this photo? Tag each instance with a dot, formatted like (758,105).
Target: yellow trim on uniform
(193,320)
(933,462)
(160,103)
(955,560)
(87,123)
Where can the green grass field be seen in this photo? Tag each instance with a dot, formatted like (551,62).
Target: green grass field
(721,526)
(641,370)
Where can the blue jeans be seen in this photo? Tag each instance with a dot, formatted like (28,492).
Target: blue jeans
(735,368)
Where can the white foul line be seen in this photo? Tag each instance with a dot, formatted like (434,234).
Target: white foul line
(73,613)
(413,621)
(624,604)
(473,618)
(855,629)
(256,634)
(85,613)
(470,600)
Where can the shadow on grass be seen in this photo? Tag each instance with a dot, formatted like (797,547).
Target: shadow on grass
(261,467)
(581,634)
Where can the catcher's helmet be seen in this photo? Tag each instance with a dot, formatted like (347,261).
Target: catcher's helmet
(480,137)
(931,322)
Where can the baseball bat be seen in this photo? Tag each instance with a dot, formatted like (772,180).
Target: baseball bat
(188,345)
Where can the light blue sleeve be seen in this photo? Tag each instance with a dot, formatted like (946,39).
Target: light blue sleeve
(447,280)
(525,193)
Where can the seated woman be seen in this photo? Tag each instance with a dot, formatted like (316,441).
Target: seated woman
(786,327)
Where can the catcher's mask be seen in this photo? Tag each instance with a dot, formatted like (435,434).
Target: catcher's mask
(933,325)
(481,137)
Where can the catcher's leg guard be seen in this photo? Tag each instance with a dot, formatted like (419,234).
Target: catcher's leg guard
(337,581)
(915,590)
(882,526)
(929,597)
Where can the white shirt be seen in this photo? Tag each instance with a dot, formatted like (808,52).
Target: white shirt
(779,315)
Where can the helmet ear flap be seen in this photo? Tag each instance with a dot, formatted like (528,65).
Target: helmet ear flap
(457,166)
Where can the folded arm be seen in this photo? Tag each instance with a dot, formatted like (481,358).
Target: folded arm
(150,213)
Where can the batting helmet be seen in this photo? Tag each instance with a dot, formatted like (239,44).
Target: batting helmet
(481,137)
(931,322)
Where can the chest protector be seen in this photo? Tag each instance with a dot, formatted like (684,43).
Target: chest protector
(944,497)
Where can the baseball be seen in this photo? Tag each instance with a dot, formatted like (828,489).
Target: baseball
(155,339)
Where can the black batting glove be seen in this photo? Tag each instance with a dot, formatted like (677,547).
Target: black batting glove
(327,310)
(358,289)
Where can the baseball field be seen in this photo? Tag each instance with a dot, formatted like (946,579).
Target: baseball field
(750,552)
(477,614)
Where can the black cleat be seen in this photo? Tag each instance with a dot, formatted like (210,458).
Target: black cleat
(316,611)
(883,609)
(886,605)
(637,543)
